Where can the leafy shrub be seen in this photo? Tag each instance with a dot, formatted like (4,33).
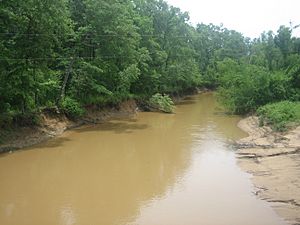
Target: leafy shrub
(280,115)
(244,88)
(6,119)
(11,119)
(72,108)
(162,102)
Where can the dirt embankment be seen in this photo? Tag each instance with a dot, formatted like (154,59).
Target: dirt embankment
(274,161)
(54,124)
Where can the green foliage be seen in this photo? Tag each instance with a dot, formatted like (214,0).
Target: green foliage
(280,115)
(86,85)
(72,108)
(98,52)
(27,119)
(127,77)
(92,52)
(162,102)
(6,119)
(214,44)
(244,87)
(293,71)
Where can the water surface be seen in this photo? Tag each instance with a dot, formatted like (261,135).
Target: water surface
(152,169)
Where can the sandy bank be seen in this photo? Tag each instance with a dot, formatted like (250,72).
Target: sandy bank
(54,124)
(274,161)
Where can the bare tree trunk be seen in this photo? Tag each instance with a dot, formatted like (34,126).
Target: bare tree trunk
(65,82)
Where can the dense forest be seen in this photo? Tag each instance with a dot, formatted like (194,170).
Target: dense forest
(69,54)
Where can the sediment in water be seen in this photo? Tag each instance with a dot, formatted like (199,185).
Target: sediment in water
(53,124)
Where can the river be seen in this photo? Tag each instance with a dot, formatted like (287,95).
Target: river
(151,169)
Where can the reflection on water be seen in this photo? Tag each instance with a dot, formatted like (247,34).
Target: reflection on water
(67,216)
(150,170)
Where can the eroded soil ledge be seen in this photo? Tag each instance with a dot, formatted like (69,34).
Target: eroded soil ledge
(274,161)
(54,124)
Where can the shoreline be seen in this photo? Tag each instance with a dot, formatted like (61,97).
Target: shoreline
(273,160)
(55,124)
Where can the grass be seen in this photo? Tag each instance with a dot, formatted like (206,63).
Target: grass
(280,116)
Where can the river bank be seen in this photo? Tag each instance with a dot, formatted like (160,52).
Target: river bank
(154,168)
(274,161)
(53,124)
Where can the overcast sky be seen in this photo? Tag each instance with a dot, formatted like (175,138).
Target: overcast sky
(250,17)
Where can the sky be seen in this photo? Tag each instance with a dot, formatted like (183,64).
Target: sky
(250,17)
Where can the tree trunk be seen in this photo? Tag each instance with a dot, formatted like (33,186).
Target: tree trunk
(65,81)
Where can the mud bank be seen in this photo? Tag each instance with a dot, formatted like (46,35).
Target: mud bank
(54,124)
(274,161)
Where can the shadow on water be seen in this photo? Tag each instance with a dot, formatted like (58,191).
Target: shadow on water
(4,154)
(131,119)
(189,97)
(186,102)
(52,143)
(116,127)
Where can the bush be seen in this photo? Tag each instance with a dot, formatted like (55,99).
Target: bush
(280,115)
(244,88)
(6,120)
(72,108)
(162,102)
(26,119)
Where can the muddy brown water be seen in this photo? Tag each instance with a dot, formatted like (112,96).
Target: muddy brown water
(153,169)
